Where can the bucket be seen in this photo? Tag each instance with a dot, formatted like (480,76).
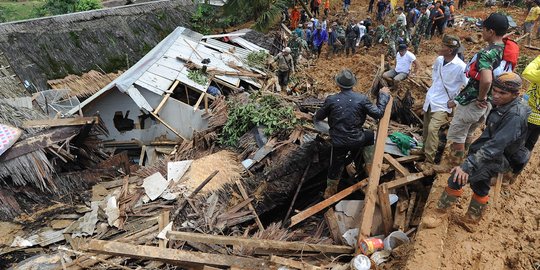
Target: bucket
(360,262)
(370,245)
(395,239)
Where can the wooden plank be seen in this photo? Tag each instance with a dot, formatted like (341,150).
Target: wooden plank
(196,106)
(39,141)
(410,158)
(62,122)
(245,195)
(386,211)
(168,126)
(263,244)
(410,210)
(375,175)
(333,227)
(298,188)
(292,263)
(396,165)
(163,220)
(497,190)
(173,256)
(399,217)
(164,100)
(326,203)
(405,180)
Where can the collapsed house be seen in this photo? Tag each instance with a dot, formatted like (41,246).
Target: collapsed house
(156,103)
(168,111)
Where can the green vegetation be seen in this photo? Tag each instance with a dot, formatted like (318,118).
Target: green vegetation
(265,110)
(257,59)
(266,13)
(203,19)
(22,10)
(198,76)
(16,11)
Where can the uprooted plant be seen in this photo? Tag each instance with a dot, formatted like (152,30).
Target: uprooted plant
(260,110)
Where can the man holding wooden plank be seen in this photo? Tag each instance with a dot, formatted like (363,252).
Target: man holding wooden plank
(346,112)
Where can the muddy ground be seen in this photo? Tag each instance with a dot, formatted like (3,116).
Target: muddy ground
(508,237)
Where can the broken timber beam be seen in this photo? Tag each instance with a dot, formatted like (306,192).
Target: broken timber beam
(374,175)
(62,122)
(396,165)
(410,158)
(245,195)
(173,256)
(386,211)
(257,243)
(166,97)
(168,126)
(405,180)
(292,263)
(39,141)
(326,203)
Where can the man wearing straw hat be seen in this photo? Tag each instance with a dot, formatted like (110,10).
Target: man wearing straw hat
(346,112)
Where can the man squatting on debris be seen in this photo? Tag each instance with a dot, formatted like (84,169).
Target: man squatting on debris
(500,148)
(346,112)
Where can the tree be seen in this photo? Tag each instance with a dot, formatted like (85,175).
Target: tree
(266,13)
(57,7)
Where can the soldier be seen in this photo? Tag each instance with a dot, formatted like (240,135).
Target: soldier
(421,28)
(295,45)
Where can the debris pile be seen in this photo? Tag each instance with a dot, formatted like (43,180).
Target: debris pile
(191,158)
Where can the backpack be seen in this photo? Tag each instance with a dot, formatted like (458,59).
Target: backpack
(506,64)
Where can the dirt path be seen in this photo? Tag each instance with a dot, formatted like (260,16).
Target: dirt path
(508,237)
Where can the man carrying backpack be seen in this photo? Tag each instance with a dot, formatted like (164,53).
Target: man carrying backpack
(285,64)
(499,148)
(472,101)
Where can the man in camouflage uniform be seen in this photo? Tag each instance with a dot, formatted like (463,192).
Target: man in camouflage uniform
(421,28)
(380,33)
(295,43)
(472,102)
(391,36)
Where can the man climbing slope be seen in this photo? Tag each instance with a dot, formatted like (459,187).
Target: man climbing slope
(500,148)
(346,112)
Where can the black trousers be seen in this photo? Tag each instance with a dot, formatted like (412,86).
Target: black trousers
(344,155)
(533,133)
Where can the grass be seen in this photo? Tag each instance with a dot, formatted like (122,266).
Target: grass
(19,10)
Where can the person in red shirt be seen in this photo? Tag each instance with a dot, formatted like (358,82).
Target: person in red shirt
(295,17)
(326,7)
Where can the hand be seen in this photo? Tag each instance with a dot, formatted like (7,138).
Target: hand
(460,176)
(450,104)
(481,104)
(385,90)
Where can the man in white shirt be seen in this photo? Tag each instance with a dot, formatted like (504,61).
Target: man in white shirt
(404,60)
(448,77)
(401,18)
(361,32)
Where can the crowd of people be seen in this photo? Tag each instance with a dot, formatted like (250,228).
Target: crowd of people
(483,92)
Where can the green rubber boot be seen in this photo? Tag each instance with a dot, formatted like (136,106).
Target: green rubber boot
(446,200)
(476,210)
(331,188)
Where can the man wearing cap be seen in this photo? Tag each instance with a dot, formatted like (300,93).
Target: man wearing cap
(346,112)
(448,77)
(285,65)
(499,148)
(404,60)
(472,101)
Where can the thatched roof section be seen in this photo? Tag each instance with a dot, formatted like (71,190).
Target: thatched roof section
(109,39)
(85,85)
